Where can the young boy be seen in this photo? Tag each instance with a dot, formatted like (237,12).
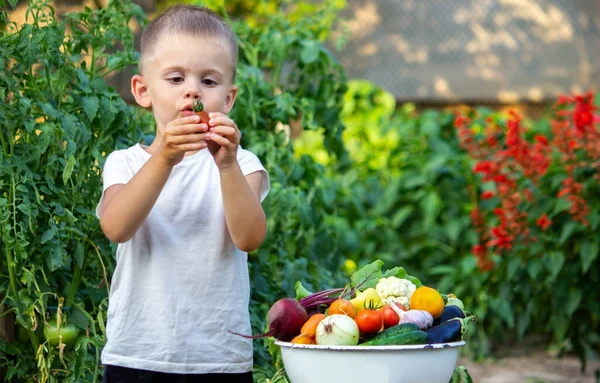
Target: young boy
(185,211)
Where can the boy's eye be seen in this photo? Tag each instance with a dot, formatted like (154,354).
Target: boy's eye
(176,80)
(209,82)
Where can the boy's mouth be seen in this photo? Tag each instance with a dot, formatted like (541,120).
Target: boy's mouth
(187,111)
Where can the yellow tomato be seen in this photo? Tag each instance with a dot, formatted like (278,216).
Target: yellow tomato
(428,299)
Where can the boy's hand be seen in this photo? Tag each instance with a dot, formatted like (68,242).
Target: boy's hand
(223,140)
(185,134)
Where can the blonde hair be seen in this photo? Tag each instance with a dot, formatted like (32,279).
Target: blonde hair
(189,19)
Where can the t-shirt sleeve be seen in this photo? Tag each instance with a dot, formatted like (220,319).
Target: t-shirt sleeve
(115,172)
(249,163)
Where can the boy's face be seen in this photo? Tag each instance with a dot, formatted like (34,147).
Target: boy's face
(182,69)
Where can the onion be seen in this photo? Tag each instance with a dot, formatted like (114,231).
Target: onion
(338,330)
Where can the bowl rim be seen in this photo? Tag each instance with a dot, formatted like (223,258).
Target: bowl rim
(369,348)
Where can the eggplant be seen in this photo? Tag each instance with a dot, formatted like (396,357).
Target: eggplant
(450,312)
(451,330)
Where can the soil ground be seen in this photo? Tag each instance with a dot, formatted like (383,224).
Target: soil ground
(532,366)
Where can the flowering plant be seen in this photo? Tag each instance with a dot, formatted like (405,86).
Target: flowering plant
(530,185)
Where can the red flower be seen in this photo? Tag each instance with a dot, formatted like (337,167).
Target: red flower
(503,239)
(499,212)
(487,194)
(544,222)
(583,116)
(485,167)
(541,139)
(479,250)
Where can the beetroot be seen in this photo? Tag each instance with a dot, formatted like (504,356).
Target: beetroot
(285,318)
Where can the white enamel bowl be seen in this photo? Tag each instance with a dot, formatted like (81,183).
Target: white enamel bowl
(424,363)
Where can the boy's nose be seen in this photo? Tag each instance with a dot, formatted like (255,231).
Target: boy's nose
(192,94)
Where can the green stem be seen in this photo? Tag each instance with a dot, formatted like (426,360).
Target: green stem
(102,264)
(93,64)
(74,285)
(49,80)
(5,145)
(35,342)
(39,92)
(10,260)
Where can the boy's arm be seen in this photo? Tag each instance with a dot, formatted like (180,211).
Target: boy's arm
(125,206)
(244,214)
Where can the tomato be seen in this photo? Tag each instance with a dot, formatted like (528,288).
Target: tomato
(428,299)
(198,108)
(342,306)
(68,332)
(390,318)
(369,321)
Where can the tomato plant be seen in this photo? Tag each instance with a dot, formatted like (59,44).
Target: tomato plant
(58,121)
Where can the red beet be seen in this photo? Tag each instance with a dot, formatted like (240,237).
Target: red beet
(285,318)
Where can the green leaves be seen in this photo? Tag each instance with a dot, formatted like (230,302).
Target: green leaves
(588,252)
(368,275)
(57,118)
(90,106)
(555,263)
(68,169)
(310,51)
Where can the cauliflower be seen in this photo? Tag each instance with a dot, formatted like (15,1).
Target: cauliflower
(394,289)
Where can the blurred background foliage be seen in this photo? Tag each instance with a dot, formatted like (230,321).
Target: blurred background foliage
(354,177)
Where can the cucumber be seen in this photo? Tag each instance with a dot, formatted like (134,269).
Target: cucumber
(403,338)
(394,330)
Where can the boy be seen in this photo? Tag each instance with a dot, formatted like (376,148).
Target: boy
(185,211)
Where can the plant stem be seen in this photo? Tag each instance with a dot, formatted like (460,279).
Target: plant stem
(5,145)
(74,285)
(101,263)
(10,260)
(35,342)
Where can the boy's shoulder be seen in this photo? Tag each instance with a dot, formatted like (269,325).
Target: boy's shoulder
(129,152)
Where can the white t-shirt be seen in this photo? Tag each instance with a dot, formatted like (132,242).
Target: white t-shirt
(180,283)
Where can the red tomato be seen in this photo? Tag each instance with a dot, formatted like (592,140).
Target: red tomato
(390,318)
(369,321)
(198,107)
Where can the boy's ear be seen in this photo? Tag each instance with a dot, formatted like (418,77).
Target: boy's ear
(140,91)
(230,99)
